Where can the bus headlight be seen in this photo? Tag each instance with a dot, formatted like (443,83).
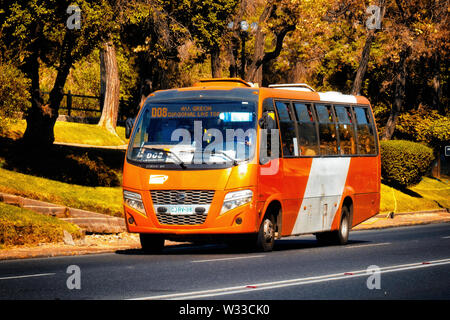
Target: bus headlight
(236,199)
(134,200)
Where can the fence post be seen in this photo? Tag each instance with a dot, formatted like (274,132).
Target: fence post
(69,102)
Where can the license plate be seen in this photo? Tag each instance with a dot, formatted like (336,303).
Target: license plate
(180,210)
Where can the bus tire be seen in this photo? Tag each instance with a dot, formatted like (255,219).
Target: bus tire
(266,235)
(151,243)
(340,236)
(342,233)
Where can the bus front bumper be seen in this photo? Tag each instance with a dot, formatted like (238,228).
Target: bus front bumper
(241,220)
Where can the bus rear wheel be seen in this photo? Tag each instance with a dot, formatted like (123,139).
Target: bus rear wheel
(151,243)
(340,236)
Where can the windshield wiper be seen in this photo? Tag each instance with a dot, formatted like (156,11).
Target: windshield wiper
(223,153)
(180,162)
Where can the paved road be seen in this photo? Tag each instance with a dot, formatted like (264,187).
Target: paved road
(414,263)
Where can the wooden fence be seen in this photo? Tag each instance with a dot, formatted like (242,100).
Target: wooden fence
(91,106)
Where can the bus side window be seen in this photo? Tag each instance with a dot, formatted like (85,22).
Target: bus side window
(327,130)
(308,142)
(365,131)
(287,129)
(345,129)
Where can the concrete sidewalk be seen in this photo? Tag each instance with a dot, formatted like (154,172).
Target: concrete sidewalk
(381,221)
(110,235)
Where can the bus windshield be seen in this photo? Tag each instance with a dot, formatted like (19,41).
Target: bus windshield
(194,134)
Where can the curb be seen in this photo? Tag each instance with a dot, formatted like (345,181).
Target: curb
(401,219)
(88,221)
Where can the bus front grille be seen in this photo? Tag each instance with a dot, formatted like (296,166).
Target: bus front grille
(165,197)
(181,198)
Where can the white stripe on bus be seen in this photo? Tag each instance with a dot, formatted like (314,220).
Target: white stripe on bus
(325,186)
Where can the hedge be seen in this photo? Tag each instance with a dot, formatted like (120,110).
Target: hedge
(404,163)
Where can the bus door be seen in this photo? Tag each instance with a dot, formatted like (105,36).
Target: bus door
(270,178)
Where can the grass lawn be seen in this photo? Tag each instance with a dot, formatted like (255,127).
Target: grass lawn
(80,133)
(106,200)
(20,226)
(429,194)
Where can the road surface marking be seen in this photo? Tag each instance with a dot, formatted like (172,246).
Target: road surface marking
(368,245)
(448,237)
(225,259)
(246,288)
(27,276)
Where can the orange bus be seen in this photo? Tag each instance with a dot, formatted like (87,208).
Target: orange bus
(228,160)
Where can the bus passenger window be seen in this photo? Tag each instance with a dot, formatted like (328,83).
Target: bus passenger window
(345,129)
(308,142)
(287,130)
(327,130)
(365,131)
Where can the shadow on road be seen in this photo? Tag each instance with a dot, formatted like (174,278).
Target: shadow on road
(220,248)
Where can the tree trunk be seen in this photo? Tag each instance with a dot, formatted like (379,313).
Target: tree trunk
(41,117)
(436,83)
(357,83)
(399,98)
(216,69)
(254,72)
(363,63)
(108,119)
(102,78)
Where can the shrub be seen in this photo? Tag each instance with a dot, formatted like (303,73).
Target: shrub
(404,163)
(14,94)
(424,125)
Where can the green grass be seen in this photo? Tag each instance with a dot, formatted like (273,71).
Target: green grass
(429,194)
(80,133)
(20,226)
(106,200)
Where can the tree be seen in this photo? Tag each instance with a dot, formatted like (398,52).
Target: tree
(109,72)
(417,30)
(36,32)
(111,98)
(281,15)
(380,10)
(206,21)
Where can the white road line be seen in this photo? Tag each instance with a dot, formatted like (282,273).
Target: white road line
(368,245)
(448,237)
(225,259)
(27,276)
(292,282)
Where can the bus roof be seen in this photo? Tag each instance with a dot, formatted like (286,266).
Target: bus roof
(237,88)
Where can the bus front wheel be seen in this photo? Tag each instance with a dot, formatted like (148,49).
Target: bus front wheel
(266,235)
(151,243)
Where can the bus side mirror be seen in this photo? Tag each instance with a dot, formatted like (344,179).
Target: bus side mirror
(128,127)
(266,122)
